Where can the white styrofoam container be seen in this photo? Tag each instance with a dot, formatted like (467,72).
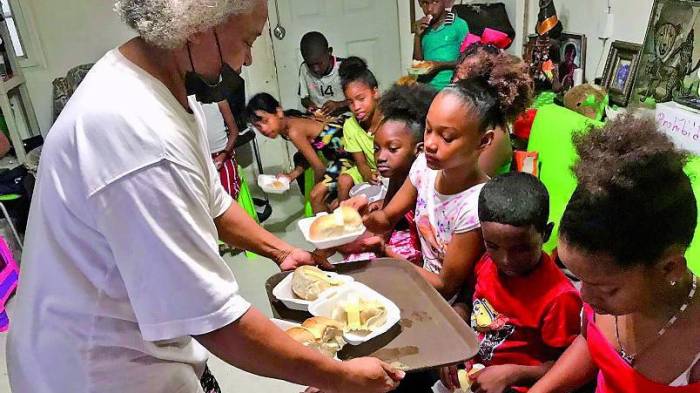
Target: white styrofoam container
(265,183)
(305,225)
(284,325)
(283,292)
(324,306)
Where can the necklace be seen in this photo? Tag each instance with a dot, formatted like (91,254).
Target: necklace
(630,358)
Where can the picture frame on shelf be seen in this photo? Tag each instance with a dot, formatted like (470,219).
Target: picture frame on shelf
(620,71)
(573,51)
(566,57)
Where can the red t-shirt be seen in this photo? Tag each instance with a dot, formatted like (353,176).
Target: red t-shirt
(525,320)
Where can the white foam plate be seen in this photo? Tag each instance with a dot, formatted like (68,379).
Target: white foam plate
(305,225)
(324,306)
(265,182)
(283,292)
(284,325)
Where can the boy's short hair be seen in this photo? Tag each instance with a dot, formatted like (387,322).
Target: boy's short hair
(517,199)
(313,44)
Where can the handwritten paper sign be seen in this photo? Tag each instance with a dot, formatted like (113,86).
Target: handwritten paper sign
(681,124)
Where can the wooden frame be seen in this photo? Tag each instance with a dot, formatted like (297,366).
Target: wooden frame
(413,16)
(621,70)
(659,74)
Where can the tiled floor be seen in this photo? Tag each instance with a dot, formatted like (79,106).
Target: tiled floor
(251,276)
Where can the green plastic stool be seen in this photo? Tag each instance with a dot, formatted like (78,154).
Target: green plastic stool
(9,198)
(245,200)
(308,186)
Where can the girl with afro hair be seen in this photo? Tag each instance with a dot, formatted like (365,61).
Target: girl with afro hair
(498,157)
(624,234)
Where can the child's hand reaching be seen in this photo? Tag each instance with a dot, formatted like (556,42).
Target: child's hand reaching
(448,377)
(358,202)
(284,176)
(377,222)
(220,159)
(366,243)
(494,379)
(332,107)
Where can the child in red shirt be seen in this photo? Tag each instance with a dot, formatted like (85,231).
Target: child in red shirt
(524,309)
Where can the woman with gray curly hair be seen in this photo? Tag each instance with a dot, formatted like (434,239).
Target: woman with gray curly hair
(122,288)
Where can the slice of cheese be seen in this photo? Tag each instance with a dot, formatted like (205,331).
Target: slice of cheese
(352,311)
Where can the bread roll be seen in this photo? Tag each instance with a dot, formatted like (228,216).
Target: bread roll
(322,334)
(342,221)
(351,218)
(328,334)
(309,281)
(324,329)
(301,335)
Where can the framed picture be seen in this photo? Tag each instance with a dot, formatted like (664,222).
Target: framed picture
(573,57)
(620,71)
(670,57)
(567,55)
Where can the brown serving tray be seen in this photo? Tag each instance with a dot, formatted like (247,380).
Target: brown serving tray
(429,335)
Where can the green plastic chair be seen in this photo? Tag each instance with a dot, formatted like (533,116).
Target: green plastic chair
(308,186)
(245,200)
(10,198)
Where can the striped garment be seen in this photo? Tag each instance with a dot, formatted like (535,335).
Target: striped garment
(9,275)
(228,173)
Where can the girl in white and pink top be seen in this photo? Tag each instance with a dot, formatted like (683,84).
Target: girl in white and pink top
(445,181)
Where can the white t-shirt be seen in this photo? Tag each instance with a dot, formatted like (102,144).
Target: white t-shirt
(216,127)
(321,90)
(439,216)
(121,265)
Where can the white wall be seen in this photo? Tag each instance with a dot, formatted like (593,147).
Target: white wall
(71,32)
(587,17)
(74,32)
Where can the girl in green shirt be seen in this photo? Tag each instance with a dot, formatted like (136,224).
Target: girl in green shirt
(362,92)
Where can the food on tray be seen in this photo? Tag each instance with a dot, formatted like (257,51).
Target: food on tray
(322,334)
(342,221)
(360,316)
(309,281)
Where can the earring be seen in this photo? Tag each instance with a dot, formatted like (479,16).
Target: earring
(673,283)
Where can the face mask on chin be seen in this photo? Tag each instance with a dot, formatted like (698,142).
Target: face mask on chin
(207,93)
